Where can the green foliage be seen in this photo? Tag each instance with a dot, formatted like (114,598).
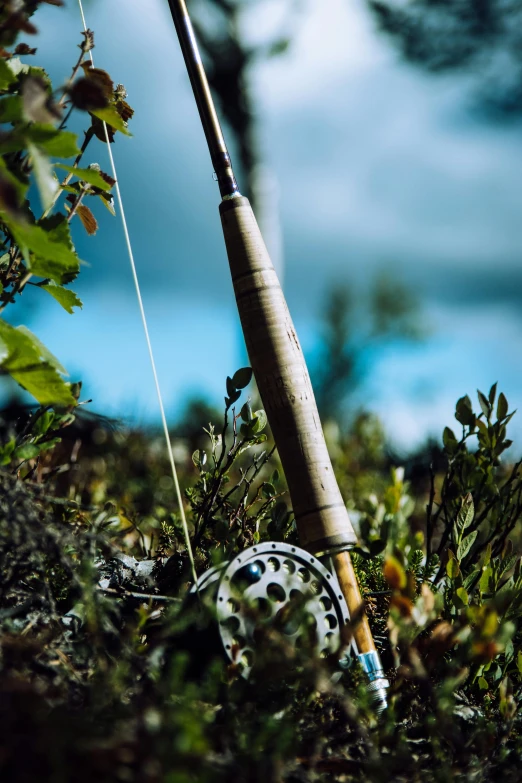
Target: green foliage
(131,664)
(491,507)
(36,249)
(64,296)
(33,366)
(232,509)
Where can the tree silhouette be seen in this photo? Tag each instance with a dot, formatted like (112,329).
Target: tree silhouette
(480,37)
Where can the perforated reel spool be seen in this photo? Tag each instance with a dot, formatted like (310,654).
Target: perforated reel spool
(267,584)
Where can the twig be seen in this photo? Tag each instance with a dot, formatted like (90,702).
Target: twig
(78,201)
(122,593)
(72,77)
(429,511)
(33,485)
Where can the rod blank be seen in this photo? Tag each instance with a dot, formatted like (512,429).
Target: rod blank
(207,111)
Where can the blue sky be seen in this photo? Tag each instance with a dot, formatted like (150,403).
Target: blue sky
(376,167)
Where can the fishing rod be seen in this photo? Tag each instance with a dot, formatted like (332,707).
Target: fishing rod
(280,370)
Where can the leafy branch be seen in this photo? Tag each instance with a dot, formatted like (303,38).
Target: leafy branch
(34,136)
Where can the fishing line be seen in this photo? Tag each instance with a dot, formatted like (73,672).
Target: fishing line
(147,337)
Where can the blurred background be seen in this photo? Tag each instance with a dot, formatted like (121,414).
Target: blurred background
(380,144)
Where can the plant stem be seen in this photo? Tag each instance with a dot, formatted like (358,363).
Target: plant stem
(77,203)
(72,77)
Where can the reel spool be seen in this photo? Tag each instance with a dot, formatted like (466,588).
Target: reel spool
(275,584)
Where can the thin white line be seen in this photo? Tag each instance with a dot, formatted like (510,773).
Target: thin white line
(147,337)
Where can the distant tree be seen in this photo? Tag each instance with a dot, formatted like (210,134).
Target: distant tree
(480,37)
(350,335)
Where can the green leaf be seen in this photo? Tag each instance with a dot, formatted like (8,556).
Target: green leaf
(64,296)
(7,77)
(519,661)
(27,451)
(199,457)
(33,366)
(110,116)
(484,403)
(49,444)
(483,428)
(508,560)
(246,413)
(464,410)
(470,579)
(13,142)
(485,579)
(231,389)
(6,452)
(502,406)
(42,423)
(466,513)
(452,566)
(462,595)
(483,684)
(47,248)
(45,179)
(108,202)
(259,423)
(486,557)
(465,545)
(19,186)
(492,394)
(232,398)
(44,351)
(92,176)
(57,143)
(242,377)
(449,440)
(11,109)
(268,490)
(495,672)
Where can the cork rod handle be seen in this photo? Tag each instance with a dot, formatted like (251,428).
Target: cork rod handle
(284,384)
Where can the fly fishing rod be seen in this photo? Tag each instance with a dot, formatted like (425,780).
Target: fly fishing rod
(323,524)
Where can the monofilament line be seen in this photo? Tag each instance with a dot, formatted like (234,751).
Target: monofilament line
(147,337)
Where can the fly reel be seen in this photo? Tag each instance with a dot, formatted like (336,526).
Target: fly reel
(280,586)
